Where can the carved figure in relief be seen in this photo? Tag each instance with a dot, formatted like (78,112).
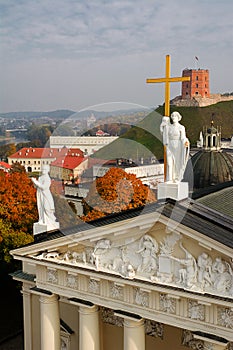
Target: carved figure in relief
(148,248)
(100,248)
(187,274)
(204,263)
(221,276)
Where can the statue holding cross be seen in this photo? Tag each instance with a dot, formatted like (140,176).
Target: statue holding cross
(176,144)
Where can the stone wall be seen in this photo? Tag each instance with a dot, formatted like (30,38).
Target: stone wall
(200,101)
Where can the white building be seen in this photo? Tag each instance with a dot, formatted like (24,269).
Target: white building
(88,144)
(33,158)
(158,278)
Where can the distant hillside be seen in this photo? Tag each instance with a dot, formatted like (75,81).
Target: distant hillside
(144,140)
(64,113)
(59,114)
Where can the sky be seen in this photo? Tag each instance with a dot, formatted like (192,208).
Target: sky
(74,54)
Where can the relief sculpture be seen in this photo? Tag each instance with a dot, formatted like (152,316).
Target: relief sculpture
(167,262)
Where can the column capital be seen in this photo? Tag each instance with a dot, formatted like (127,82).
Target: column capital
(49,299)
(133,323)
(87,310)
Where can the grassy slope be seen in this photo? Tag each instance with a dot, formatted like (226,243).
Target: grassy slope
(144,140)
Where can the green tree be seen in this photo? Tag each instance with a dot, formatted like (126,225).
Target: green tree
(11,239)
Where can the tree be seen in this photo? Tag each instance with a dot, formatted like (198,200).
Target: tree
(18,201)
(114,192)
(39,134)
(11,239)
(17,168)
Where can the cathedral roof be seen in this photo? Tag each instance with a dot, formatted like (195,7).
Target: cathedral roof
(211,168)
(187,212)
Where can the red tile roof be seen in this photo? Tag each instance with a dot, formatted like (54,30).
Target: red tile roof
(5,165)
(68,162)
(46,153)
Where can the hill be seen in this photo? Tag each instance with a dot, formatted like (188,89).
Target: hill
(144,140)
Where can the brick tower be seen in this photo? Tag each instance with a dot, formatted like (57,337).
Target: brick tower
(198,86)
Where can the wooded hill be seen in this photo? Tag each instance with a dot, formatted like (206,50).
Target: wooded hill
(144,140)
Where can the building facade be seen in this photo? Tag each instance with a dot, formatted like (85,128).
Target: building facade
(34,158)
(157,278)
(87,144)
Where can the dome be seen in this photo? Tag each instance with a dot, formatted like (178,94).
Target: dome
(211,168)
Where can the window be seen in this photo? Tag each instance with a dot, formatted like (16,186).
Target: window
(187,85)
(196,92)
(187,93)
(197,77)
(196,85)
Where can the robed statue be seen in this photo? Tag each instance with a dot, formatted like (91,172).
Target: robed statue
(177,147)
(45,202)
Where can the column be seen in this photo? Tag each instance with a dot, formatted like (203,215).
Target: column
(50,322)
(27,317)
(134,334)
(89,332)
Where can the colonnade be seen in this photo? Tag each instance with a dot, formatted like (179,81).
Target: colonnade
(89,327)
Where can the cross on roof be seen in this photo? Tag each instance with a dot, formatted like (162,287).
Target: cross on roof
(167,80)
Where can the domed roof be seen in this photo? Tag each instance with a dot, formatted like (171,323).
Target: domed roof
(211,168)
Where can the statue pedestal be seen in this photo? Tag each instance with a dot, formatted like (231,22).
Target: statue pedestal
(177,191)
(39,228)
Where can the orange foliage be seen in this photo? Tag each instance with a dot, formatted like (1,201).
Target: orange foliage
(114,192)
(18,200)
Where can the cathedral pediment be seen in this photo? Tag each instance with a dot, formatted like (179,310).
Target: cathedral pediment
(151,249)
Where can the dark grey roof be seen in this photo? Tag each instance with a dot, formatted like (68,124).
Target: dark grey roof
(220,201)
(20,275)
(188,212)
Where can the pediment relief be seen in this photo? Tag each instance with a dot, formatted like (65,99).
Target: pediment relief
(156,256)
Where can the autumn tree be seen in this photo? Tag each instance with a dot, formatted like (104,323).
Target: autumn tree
(114,192)
(18,201)
(11,239)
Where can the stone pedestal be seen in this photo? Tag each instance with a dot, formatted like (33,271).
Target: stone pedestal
(176,191)
(39,228)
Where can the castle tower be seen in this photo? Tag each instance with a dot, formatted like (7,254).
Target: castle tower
(198,86)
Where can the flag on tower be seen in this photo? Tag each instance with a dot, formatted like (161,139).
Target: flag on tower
(196,58)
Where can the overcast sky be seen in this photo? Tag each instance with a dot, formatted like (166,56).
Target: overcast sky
(73,54)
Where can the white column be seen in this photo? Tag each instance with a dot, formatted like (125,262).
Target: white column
(27,317)
(50,322)
(134,334)
(89,332)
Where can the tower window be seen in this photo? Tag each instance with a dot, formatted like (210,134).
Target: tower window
(196,85)
(196,92)
(187,93)
(187,85)
(197,77)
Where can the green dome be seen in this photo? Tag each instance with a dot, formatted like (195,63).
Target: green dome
(211,168)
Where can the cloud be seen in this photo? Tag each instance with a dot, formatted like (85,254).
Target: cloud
(107,27)
(108,47)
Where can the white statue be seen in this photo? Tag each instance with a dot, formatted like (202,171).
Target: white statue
(177,147)
(45,203)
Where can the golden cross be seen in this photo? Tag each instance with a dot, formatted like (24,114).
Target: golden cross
(167,80)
